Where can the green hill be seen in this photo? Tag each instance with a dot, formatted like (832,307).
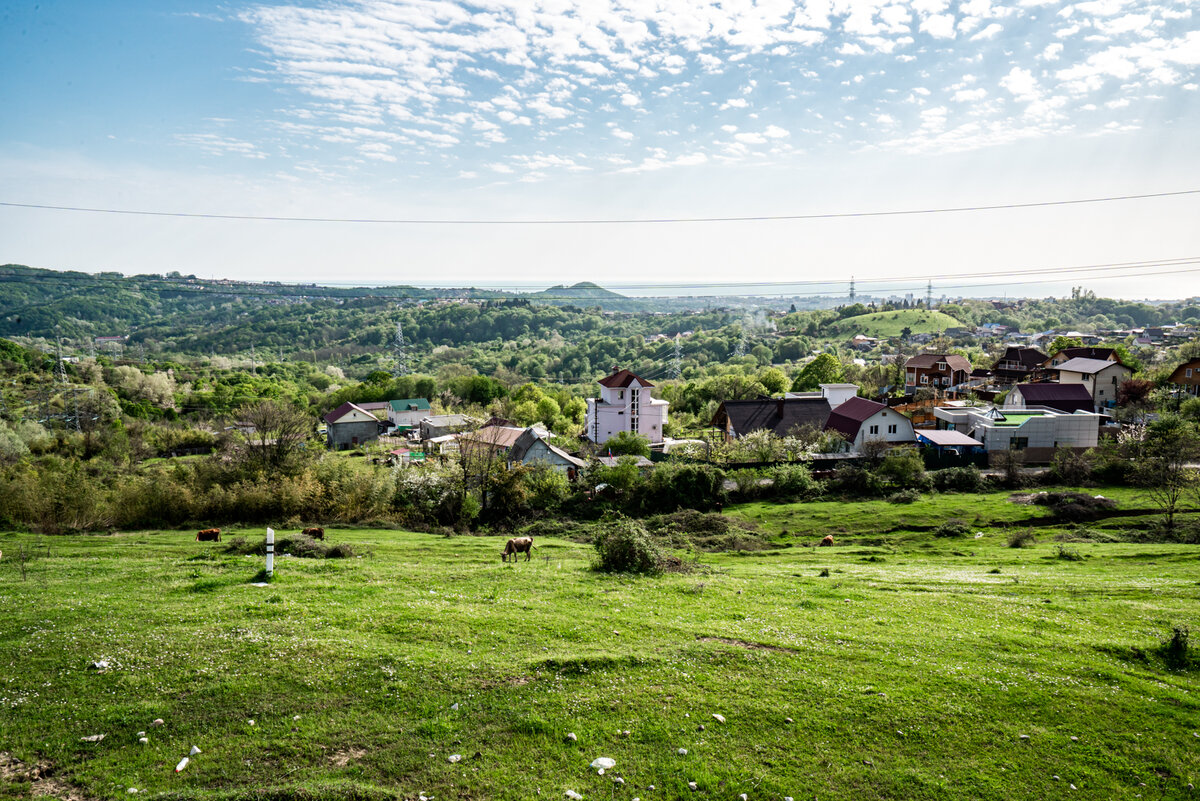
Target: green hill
(890,324)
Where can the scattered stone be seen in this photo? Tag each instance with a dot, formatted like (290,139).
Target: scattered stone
(601,764)
(700,727)
(1074,739)
(132,791)
(718,718)
(194,751)
(574,796)
(141,734)
(454,758)
(1073,787)
(99,664)
(788,720)
(143,741)
(251,721)
(1057,778)
(454,707)
(618,780)
(182,764)
(295,717)
(682,752)
(157,722)
(691,785)
(868,763)
(1024,736)
(92,738)
(571,736)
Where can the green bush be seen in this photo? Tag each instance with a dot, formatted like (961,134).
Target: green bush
(952,528)
(793,481)
(904,468)
(1176,650)
(626,443)
(624,546)
(1068,554)
(957,479)
(674,485)
(1022,538)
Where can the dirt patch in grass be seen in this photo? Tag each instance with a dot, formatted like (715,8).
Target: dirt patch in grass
(755,646)
(345,756)
(42,784)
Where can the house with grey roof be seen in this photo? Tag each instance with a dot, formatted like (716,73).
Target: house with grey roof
(533,447)
(1051,395)
(350,425)
(1102,378)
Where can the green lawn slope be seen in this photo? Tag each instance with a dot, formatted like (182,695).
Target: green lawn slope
(891,323)
(903,666)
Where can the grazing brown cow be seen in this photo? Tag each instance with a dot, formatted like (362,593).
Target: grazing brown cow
(828,541)
(316,533)
(208,535)
(515,546)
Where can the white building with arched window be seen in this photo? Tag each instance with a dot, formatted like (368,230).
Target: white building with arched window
(625,405)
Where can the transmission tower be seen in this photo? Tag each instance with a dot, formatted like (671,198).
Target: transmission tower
(740,350)
(60,369)
(677,360)
(401,367)
(852,290)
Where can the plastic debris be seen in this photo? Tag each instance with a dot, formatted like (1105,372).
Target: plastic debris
(618,780)
(1024,736)
(143,741)
(571,736)
(978,535)
(601,764)
(682,752)
(132,790)
(157,722)
(141,734)
(251,721)
(788,720)
(719,718)
(691,785)
(92,738)
(743,797)
(99,664)
(454,758)
(454,707)
(295,717)
(194,751)
(574,796)
(182,764)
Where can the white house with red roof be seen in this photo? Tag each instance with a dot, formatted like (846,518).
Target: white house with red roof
(860,421)
(625,405)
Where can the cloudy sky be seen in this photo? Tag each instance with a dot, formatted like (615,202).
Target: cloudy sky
(605,109)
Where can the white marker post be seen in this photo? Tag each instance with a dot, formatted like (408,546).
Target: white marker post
(270,552)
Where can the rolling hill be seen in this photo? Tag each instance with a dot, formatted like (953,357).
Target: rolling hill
(890,324)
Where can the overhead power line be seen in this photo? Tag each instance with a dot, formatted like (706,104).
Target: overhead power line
(598,221)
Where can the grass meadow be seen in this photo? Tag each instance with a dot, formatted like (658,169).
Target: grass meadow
(894,665)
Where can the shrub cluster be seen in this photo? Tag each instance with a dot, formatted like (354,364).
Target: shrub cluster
(624,546)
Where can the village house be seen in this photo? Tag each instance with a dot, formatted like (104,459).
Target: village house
(495,435)
(781,416)
(1035,432)
(407,413)
(533,447)
(1051,395)
(861,421)
(1018,365)
(625,404)
(1066,354)
(1102,378)
(1186,378)
(940,371)
(350,425)
(441,425)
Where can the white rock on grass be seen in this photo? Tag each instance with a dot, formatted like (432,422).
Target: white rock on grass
(157,722)
(92,738)
(574,796)
(682,752)
(454,758)
(743,797)
(691,785)
(132,791)
(141,734)
(571,736)
(143,741)
(718,718)
(601,764)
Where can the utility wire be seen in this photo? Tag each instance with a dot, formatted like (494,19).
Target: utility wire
(613,221)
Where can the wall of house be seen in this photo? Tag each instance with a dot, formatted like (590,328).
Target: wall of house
(1045,431)
(539,453)
(881,421)
(347,435)
(612,415)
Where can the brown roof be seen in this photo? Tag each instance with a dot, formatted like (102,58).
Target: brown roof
(1179,376)
(1027,357)
(343,410)
(928,360)
(494,436)
(849,417)
(1064,397)
(1108,354)
(623,378)
(778,415)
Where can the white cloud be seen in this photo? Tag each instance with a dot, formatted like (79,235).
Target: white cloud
(750,138)
(1052,52)
(630,99)
(990,32)
(939,26)
(1021,84)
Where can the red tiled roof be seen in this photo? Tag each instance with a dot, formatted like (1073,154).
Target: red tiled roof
(623,378)
(848,418)
(343,410)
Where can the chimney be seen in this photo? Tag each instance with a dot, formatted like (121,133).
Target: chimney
(779,408)
(615,368)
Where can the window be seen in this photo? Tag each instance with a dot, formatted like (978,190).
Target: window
(924,379)
(874,429)
(892,429)
(941,365)
(1189,372)
(1018,443)
(1102,393)
(620,394)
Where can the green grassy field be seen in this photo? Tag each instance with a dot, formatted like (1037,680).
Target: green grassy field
(910,671)
(891,323)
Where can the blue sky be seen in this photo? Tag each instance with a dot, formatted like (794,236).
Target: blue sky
(600,109)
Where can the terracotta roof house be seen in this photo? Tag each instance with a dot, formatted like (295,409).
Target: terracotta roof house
(860,421)
(940,371)
(1186,378)
(1018,365)
(1051,395)
(1102,378)
(350,425)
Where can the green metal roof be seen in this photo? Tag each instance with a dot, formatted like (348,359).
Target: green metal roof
(409,404)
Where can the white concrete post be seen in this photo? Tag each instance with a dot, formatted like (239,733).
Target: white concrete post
(270,552)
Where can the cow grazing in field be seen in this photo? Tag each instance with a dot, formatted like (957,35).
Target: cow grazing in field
(316,533)
(208,535)
(827,542)
(515,546)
